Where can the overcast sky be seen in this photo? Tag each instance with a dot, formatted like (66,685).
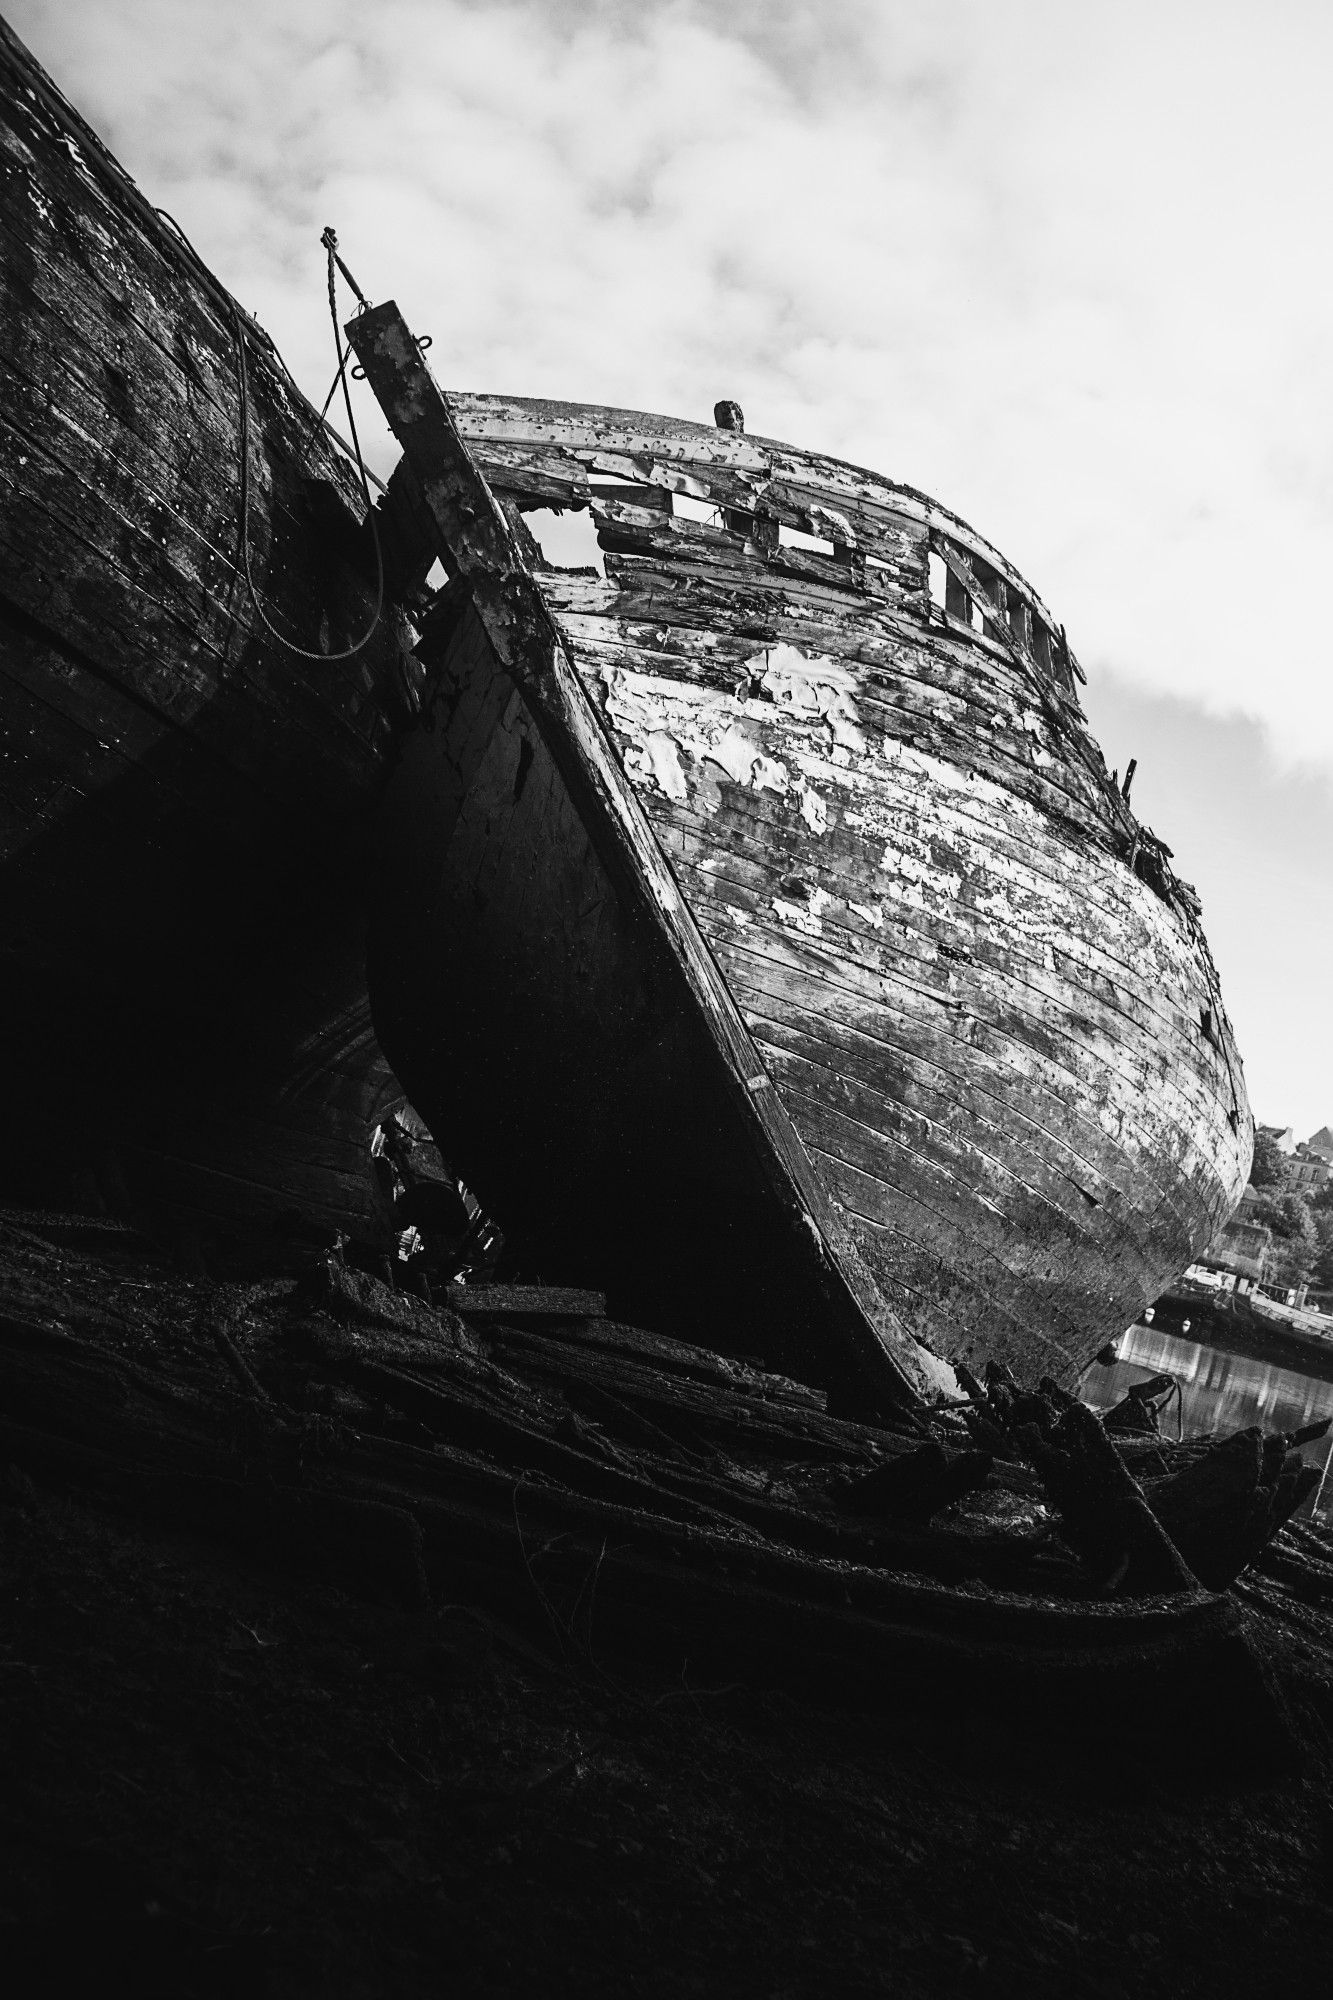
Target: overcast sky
(1063,265)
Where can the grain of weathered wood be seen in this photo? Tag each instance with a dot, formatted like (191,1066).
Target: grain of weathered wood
(608,432)
(155,447)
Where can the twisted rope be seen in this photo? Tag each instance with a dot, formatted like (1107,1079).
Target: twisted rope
(330,242)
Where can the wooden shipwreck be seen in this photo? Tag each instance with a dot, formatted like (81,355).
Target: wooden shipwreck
(753,917)
(870,994)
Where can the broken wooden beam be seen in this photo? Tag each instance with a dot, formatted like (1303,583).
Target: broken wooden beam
(1103,1512)
(1222,1510)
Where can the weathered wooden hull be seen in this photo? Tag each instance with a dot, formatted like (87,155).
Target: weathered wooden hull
(969,981)
(180,796)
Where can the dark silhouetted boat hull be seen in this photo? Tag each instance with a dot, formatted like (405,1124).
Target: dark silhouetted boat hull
(183,798)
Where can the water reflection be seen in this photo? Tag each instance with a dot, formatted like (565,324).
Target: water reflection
(1220,1392)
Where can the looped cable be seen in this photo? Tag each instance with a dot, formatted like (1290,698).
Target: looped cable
(330,242)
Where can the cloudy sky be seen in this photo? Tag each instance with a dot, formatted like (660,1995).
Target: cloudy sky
(1065,266)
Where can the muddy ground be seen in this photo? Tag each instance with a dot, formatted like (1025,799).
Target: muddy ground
(222,1777)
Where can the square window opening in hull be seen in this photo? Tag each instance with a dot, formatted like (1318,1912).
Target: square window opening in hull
(567,541)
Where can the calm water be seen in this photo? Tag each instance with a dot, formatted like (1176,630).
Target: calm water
(1219,1392)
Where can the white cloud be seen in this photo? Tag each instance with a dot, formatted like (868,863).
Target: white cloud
(1063,266)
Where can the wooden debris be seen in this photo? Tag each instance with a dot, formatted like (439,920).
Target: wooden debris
(1223,1509)
(1102,1511)
(1139,1408)
(352,1297)
(918,1484)
(723,1517)
(520,1302)
(236,1361)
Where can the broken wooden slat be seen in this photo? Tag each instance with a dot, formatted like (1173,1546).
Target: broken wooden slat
(590,429)
(1103,1510)
(988,594)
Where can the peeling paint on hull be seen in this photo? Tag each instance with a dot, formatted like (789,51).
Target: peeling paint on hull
(1076,977)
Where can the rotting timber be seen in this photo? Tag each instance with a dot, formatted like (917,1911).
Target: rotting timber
(870,992)
(346,1565)
(626,1496)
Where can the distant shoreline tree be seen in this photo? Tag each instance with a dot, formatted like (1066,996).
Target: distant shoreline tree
(1321,1273)
(1269,1166)
(1296,1237)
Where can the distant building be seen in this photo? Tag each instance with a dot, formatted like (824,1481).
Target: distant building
(1307,1165)
(1307,1171)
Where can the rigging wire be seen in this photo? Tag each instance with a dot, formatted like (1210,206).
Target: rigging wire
(330,242)
(321,422)
(224,298)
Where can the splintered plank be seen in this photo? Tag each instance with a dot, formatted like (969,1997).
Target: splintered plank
(805,479)
(874,563)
